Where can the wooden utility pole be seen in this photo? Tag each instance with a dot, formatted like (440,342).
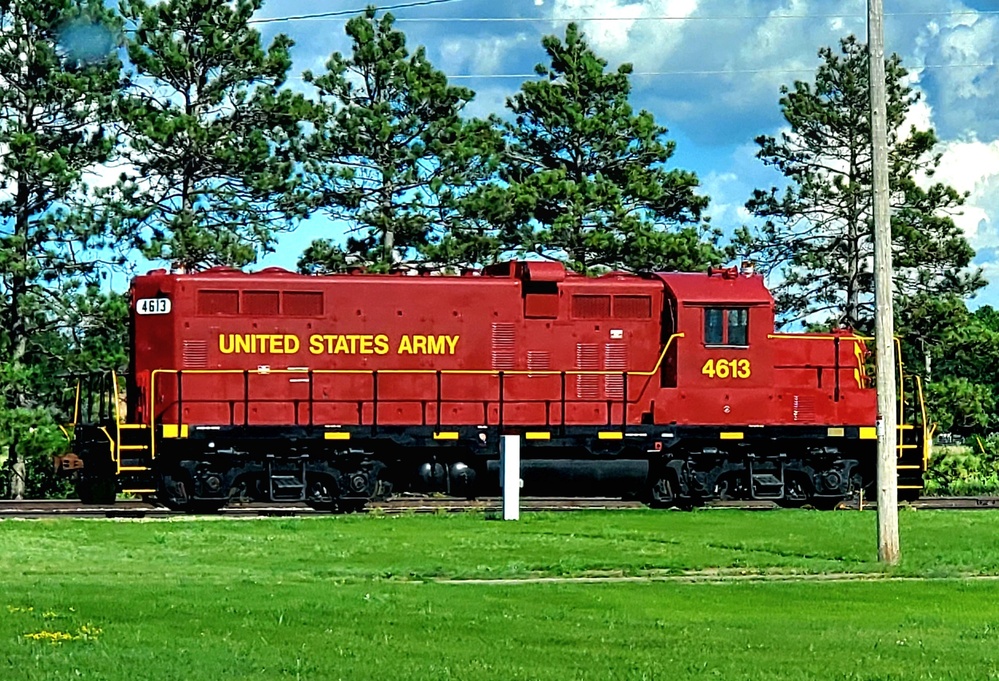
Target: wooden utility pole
(884,321)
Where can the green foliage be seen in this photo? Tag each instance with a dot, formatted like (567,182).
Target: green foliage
(391,156)
(817,235)
(966,470)
(211,135)
(60,76)
(584,177)
(955,352)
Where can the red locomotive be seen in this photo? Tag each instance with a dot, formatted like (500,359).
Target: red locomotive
(333,390)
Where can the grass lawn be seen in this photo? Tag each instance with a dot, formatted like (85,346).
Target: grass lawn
(364,597)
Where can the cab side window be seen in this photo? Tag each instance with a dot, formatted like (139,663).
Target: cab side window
(726,326)
(714,326)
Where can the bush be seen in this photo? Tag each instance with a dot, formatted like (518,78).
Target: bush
(38,438)
(968,470)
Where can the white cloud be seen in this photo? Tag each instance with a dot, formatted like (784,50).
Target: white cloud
(973,166)
(479,55)
(626,34)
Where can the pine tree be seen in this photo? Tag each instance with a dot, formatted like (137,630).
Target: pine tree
(817,237)
(59,74)
(584,177)
(392,155)
(211,134)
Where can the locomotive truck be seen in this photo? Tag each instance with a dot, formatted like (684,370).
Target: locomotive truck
(337,389)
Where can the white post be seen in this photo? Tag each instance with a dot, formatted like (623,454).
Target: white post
(510,476)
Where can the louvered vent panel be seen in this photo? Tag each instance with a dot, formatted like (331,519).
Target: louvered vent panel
(591,307)
(195,354)
(588,358)
(804,408)
(615,359)
(539,360)
(504,346)
(632,307)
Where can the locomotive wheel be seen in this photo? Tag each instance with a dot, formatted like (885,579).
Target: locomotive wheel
(319,497)
(662,495)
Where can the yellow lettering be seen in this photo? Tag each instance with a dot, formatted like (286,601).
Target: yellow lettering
(405,346)
(226,349)
(291,344)
(342,345)
(316,344)
(452,343)
(381,344)
(435,345)
(419,345)
(277,344)
(330,339)
(366,343)
(242,343)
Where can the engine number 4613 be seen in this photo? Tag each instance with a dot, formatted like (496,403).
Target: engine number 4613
(727,368)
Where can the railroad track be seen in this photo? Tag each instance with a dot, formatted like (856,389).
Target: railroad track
(415,504)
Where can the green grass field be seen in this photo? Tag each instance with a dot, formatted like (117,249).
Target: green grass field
(715,594)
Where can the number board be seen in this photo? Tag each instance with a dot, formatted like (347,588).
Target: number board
(152,306)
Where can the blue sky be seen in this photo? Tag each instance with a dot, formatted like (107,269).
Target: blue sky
(711,71)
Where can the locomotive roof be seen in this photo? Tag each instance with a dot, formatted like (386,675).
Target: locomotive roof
(725,287)
(718,286)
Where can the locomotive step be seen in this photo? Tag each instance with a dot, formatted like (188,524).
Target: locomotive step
(767,486)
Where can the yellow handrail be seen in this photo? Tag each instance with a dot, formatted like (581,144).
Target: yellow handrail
(117,422)
(450,372)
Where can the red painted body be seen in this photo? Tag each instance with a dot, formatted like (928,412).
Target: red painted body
(633,350)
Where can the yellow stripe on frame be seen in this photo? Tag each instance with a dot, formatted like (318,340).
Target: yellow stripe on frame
(171,430)
(540,435)
(836,432)
(336,435)
(732,436)
(447,435)
(610,435)
(868,433)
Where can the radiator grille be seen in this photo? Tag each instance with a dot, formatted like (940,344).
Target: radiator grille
(588,359)
(615,359)
(504,346)
(195,354)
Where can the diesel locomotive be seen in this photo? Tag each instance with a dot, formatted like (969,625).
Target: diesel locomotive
(337,389)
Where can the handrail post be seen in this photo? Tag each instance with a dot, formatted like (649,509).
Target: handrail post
(562,399)
(312,397)
(501,391)
(624,402)
(836,350)
(439,401)
(180,400)
(374,401)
